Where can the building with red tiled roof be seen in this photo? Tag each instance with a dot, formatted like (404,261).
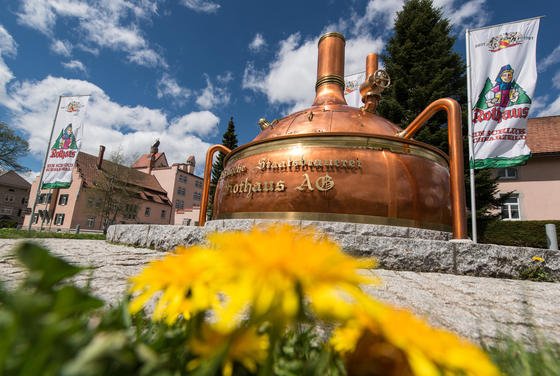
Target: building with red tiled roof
(143,199)
(14,191)
(184,188)
(536,185)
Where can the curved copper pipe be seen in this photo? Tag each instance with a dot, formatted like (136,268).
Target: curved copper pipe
(455,140)
(207,177)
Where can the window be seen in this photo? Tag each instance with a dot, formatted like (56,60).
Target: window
(147,211)
(179,204)
(90,202)
(91,222)
(163,213)
(9,198)
(59,219)
(510,208)
(186,221)
(198,183)
(44,198)
(130,211)
(181,191)
(196,196)
(182,178)
(35,218)
(63,200)
(507,173)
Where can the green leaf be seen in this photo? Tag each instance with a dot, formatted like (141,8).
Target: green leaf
(45,270)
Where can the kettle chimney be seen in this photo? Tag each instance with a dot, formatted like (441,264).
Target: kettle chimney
(100,157)
(329,88)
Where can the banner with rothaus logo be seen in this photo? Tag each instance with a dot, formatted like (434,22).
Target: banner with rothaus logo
(352,89)
(68,130)
(503,79)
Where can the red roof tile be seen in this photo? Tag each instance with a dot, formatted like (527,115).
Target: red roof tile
(150,187)
(144,160)
(543,134)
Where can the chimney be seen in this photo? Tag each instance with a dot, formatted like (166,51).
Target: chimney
(191,163)
(100,156)
(329,88)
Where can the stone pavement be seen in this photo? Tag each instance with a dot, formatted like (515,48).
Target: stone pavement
(478,308)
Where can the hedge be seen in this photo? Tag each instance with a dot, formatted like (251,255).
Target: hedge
(516,233)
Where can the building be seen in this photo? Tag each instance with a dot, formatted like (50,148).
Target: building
(101,193)
(14,191)
(184,188)
(535,186)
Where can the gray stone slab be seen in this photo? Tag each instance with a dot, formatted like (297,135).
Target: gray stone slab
(477,308)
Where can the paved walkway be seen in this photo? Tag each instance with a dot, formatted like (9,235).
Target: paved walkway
(475,307)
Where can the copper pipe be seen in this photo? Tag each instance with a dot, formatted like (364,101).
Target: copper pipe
(371,64)
(329,88)
(207,177)
(455,140)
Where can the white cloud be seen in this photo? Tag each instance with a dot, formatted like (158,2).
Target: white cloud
(8,47)
(75,65)
(111,24)
(469,14)
(258,43)
(203,123)
(290,78)
(60,47)
(380,12)
(201,5)
(167,86)
(212,96)
(550,109)
(132,128)
(550,60)
(225,78)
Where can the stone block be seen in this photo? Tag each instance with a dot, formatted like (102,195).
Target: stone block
(420,233)
(411,254)
(166,237)
(135,235)
(381,230)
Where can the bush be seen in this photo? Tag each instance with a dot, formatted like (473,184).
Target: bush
(8,223)
(516,233)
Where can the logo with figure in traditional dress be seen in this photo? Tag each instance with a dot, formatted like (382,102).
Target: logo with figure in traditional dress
(66,139)
(496,98)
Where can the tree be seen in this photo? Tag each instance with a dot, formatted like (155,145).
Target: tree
(12,147)
(423,67)
(113,192)
(229,140)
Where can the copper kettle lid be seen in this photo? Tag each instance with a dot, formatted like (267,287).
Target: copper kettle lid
(329,111)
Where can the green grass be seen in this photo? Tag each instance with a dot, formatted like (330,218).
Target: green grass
(12,233)
(514,358)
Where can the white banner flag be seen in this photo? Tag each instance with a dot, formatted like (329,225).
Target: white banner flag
(68,129)
(352,89)
(503,78)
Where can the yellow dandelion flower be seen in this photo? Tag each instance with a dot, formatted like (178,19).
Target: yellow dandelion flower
(187,279)
(245,346)
(266,273)
(428,350)
(278,267)
(537,258)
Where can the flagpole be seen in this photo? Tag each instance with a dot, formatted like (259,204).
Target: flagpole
(43,169)
(470,139)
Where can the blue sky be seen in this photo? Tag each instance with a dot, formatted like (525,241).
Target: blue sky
(178,69)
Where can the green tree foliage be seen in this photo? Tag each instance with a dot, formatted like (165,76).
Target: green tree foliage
(12,147)
(423,68)
(229,140)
